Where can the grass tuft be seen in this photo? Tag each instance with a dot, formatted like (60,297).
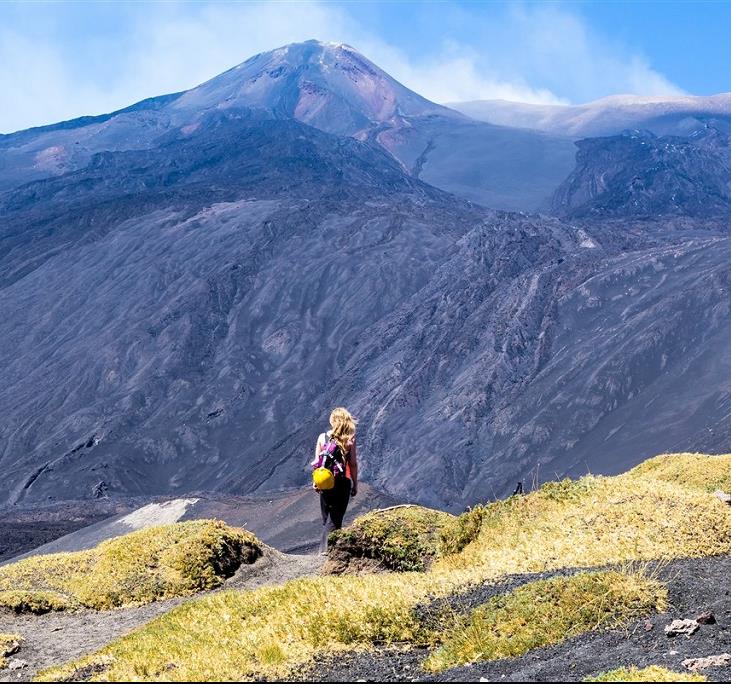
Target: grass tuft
(461,531)
(401,539)
(36,602)
(135,569)
(653,673)
(9,645)
(547,612)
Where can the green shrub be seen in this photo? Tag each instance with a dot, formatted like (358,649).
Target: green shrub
(36,602)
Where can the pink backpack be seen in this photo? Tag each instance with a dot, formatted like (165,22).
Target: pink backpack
(331,456)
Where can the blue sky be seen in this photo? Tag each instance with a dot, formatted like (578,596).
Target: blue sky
(64,59)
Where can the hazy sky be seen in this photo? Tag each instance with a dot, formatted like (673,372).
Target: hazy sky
(59,60)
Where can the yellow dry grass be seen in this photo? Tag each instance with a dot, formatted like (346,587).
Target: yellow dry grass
(274,632)
(547,612)
(137,568)
(694,471)
(653,673)
(401,539)
(596,521)
(241,635)
(9,644)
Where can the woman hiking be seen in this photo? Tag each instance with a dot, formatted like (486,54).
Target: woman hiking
(335,471)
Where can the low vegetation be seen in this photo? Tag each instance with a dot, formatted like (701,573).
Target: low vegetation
(461,530)
(268,632)
(597,521)
(36,602)
(405,538)
(593,522)
(401,539)
(547,612)
(9,644)
(137,568)
(647,674)
(693,471)
(279,628)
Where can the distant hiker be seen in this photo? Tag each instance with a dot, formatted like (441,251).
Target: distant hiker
(335,471)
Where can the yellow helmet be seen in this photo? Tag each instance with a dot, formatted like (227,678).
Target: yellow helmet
(323,478)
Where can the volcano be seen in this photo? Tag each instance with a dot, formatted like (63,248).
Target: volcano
(189,285)
(335,89)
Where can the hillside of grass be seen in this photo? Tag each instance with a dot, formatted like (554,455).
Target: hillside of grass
(694,471)
(135,569)
(662,510)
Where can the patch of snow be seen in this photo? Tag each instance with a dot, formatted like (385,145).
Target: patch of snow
(157,514)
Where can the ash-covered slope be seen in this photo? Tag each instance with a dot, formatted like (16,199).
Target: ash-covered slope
(331,87)
(182,314)
(184,319)
(171,317)
(541,350)
(326,85)
(671,115)
(639,174)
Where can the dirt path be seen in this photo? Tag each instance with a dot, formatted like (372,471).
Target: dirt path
(56,638)
(694,586)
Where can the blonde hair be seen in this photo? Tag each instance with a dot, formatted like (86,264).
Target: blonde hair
(343,427)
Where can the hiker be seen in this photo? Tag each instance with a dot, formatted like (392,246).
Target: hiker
(335,471)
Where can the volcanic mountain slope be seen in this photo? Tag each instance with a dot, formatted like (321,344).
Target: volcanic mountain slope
(535,346)
(182,317)
(678,115)
(199,300)
(229,156)
(638,174)
(336,89)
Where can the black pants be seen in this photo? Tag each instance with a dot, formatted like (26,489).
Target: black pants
(333,504)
